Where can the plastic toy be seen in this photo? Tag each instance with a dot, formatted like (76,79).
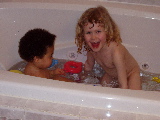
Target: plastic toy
(16,71)
(73,67)
(54,62)
(156,79)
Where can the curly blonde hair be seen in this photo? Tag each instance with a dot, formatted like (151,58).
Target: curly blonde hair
(96,15)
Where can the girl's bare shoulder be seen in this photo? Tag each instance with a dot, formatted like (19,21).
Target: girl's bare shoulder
(114,46)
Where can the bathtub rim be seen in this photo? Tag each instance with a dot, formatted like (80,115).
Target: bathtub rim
(136,100)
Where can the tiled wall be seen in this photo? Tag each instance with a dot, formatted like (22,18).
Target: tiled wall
(146,2)
(25,109)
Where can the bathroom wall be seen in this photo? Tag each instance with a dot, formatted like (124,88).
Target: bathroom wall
(148,2)
(145,2)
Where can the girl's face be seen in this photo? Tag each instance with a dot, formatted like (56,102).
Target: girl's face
(46,61)
(95,36)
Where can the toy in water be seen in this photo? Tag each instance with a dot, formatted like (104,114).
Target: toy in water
(73,67)
(16,71)
(54,62)
(156,79)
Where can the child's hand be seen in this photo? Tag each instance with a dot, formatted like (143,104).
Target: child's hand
(59,71)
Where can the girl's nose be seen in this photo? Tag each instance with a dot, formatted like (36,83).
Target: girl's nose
(93,36)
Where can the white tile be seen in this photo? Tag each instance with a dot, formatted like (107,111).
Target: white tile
(12,113)
(93,113)
(45,116)
(12,101)
(147,117)
(51,107)
(119,115)
(103,114)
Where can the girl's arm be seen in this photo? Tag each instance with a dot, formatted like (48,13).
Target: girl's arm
(119,62)
(89,64)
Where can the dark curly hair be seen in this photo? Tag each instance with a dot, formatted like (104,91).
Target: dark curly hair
(35,43)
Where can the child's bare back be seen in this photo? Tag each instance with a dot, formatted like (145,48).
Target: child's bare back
(34,71)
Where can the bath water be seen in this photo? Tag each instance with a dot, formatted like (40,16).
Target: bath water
(150,81)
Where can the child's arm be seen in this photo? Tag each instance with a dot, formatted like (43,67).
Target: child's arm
(119,62)
(57,71)
(89,64)
(55,75)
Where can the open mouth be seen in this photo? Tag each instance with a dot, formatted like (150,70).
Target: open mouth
(95,44)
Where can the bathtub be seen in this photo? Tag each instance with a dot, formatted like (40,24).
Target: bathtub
(31,98)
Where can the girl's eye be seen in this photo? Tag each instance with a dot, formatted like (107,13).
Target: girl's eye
(88,32)
(98,31)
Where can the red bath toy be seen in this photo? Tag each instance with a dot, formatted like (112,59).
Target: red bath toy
(73,67)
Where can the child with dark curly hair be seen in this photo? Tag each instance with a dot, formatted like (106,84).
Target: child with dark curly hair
(99,35)
(36,47)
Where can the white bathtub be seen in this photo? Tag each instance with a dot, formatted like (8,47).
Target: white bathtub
(31,98)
